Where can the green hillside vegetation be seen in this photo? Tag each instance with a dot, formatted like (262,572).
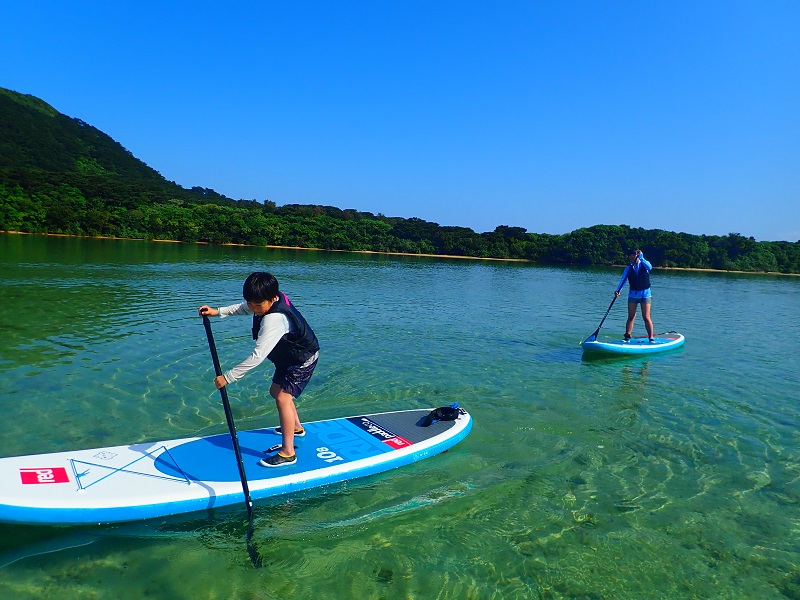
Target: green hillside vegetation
(61,175)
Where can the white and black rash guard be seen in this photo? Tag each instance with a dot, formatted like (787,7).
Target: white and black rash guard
(273,327)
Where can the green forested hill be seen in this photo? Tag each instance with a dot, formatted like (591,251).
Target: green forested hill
(41,147)
(59,174)
(33,135)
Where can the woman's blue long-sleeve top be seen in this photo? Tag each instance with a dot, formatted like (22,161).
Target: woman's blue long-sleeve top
(635,294)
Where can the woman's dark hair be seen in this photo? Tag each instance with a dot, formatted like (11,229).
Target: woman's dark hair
(260,286)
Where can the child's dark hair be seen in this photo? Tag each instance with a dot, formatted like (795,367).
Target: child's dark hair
(260,286)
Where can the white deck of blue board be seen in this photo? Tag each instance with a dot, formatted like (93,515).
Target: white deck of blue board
(638,345)
(142,481)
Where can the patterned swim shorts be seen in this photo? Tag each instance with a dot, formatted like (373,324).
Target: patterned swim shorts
(295,378)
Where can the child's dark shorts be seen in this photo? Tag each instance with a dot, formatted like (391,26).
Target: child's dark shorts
(295,378)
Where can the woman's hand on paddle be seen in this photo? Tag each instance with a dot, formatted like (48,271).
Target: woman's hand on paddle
(616,294)
(207,311)
(220,381)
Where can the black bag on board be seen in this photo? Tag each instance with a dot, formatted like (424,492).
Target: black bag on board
(443,413)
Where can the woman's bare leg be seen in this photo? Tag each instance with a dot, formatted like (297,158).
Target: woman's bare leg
(648,322)
(631,318)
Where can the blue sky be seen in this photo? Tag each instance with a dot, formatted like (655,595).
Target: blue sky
(547,115)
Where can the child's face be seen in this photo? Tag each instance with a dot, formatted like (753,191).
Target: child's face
(261,308)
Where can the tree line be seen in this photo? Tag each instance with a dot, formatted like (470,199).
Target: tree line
(76,204)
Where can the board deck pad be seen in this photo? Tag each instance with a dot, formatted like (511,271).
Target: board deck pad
(344,440)
(157,479)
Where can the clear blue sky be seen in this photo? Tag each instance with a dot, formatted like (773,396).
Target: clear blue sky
(548,115)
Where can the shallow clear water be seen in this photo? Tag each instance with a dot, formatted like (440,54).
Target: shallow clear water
(674,476)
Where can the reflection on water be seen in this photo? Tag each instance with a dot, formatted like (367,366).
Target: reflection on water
(671,476)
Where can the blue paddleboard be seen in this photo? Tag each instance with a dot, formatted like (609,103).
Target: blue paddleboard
(638,345)
(149,480)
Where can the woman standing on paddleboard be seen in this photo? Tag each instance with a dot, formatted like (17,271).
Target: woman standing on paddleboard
(638,275)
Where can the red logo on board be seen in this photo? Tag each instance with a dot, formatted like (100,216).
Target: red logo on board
(52,475)
(397,442)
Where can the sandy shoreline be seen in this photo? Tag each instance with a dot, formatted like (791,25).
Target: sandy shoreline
(521,260)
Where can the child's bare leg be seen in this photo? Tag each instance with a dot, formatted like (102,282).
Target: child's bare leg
(287,415)
(297,424)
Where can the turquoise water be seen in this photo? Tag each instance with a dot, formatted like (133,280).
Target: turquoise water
(671,476)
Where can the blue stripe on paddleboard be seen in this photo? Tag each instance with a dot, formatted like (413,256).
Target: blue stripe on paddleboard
(209,459)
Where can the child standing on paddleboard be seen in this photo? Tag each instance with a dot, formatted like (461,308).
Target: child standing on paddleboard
(284,337)
(638,275)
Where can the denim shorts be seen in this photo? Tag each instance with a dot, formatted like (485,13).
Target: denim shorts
(294,379)
(648,300)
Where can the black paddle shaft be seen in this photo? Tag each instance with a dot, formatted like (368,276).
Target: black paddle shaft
(597,331)
(229,417)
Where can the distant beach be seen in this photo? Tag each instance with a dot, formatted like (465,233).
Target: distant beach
(276,247)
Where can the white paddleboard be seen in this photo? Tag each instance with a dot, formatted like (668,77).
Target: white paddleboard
(149,480)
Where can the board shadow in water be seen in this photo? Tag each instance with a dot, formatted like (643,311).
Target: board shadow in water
(600,358)
(228,522)
(222,527)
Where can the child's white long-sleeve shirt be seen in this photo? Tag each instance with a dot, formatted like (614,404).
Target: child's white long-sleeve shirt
(273,327)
